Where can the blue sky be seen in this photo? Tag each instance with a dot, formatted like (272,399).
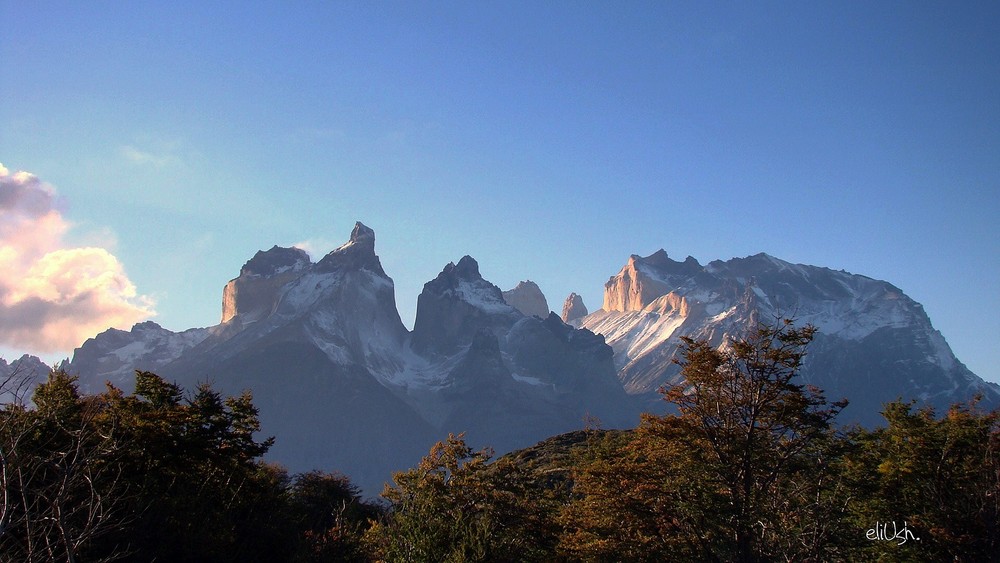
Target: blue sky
(547,140)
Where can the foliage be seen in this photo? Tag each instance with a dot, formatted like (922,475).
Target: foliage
(62,486)
(740,471)
(750,469)
(158,475)
(457,506)
(939,477)
(191,465)
(331,517)
(630,500)
(550,465)
(764,433)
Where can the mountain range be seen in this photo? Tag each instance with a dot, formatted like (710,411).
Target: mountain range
(342,384)
(873,345)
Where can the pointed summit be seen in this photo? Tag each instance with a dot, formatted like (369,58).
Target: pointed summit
(573,308)
(355,254)
(659,258)
(466,269)
(362,234)
(455,304)
(454,275)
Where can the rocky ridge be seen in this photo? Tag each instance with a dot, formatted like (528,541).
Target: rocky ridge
(342,384)
(874,343)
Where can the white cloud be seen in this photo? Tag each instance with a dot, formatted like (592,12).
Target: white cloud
(137,156)
(52,298)
(318,247)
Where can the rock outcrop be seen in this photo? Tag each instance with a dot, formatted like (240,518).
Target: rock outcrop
(343,385)
(254,294)
(456,305)
(527,298)
(874,343)
(573,308)
(642,280)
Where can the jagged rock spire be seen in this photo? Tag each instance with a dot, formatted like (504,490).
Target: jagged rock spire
(573,308)
(355,254)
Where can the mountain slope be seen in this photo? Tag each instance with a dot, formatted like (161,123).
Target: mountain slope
(874,345)
(342,384)
(19,377)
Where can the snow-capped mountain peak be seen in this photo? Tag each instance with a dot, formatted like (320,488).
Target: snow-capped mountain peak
(654,300)
(344,385)
(643,279)
(454,305)
(356,254)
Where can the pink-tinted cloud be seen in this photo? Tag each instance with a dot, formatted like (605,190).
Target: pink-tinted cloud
(52,298)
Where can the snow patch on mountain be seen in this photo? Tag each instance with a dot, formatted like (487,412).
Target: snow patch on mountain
(159,341)
(481,296)
(862,323)
(115,355)
(340,378)
(302,296)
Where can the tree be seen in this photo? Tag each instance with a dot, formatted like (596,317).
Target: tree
(160,475)
(641,499)
(329,516)
(193,466)
(939,476)
(458,506)
(760,426)
(745,466)
(13,427)
(62,468)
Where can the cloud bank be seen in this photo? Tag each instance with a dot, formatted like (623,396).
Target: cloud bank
(52,298)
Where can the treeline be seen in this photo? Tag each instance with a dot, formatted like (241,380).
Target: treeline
(752,468)
(156,476)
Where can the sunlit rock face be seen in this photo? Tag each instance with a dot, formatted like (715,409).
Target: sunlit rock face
(642,280)
(343,385)
(874,344)
(573,308)
(527,298)
(254,294)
